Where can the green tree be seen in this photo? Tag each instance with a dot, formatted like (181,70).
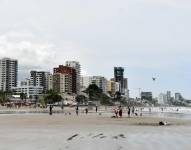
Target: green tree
(117,96)
(23,96)
(52,97)
(93,91)
(4,96)
(42,102)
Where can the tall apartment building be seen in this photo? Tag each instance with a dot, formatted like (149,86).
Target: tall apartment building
(50,82)
(119,77)
(39,78)
(62,83)
(168,95)
(71,75)
(8,74)
(76,65)
(162,98)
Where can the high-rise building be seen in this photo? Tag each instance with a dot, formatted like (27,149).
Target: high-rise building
(162,98)
(76,65)
(39,78)
(8,74)
(125,86)
(70,73)
(168,94)
(62,83)
(119,77)
(50,82)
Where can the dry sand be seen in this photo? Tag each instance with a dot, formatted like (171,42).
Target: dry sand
(91,132)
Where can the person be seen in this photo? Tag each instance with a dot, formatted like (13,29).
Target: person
(86,110)
(133,110)
(129,112)
(77,110)
(120,112)
(50,112)
(116,112)
(62,107)
(96,108)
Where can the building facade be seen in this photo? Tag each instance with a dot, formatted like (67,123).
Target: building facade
(178,97)
(50,82)
(76,65)
(62,83)
(112,87)
(146,96)
(30,91)
(162,98)
(100,81)
(40,79)
(70,73)
(8,74)
(119,77)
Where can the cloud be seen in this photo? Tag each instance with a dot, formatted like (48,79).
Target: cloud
(22,46)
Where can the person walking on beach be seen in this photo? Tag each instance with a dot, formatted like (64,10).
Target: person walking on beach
(96,108)
(133,110)
(129,112)
(120,112)
(116,112)
(77,110)
(50,108)
(86,110)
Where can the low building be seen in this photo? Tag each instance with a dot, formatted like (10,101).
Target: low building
(30,91)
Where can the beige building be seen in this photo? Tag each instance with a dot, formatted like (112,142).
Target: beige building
(62,83)
(112,87)
(50,82)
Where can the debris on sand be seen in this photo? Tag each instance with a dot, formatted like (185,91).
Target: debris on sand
(70,138)
(162,123)
(122,136)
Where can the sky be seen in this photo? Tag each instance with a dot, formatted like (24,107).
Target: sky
(149,38)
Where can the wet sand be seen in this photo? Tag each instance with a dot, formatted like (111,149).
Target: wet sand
(92,131)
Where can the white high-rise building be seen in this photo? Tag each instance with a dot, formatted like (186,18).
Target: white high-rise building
(76,65)
(40,78)
(100,81)
(8,74)
(162,98)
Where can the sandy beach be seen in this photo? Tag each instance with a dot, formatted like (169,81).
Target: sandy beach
(92,131)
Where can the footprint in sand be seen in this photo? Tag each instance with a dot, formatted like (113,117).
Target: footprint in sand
(101,134)
(72,137)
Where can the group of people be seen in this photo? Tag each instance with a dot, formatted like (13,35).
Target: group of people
(130,111)
(118,112)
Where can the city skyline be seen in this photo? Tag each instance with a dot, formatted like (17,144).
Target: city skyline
(132,34)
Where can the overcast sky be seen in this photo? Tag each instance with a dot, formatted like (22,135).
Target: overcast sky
(146,37)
